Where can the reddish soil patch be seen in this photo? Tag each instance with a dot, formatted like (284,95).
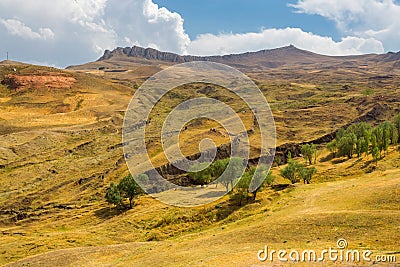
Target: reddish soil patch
(48,80)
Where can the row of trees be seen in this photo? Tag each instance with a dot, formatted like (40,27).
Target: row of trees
(295,171)
(202,175)
(362,138)
(126,188)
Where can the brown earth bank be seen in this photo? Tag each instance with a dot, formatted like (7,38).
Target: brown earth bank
(39,81)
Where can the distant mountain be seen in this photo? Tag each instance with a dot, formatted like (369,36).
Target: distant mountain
(139,62)
(279,56)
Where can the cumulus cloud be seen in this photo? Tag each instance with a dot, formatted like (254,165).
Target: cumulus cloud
(16,27)
(378,19)
(80,30)
(144,23)
(271,38)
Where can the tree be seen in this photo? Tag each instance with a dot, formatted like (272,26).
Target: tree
(315,152)
(253,174)
(346,145)
(218,167)
(233,171)
(376,154)
(378,132)
(129,188)
(397,127)
(243,187)
(308,152)
(113,195)
(307,173)
(362,146)
(359,129)
(143,178)
(388,130)
(374,143)
(291,171)
(200,173)
(260,174)
(332,147)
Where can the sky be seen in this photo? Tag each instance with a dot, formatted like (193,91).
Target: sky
(67,32)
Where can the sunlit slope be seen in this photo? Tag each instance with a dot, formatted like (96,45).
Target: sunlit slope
(361,207)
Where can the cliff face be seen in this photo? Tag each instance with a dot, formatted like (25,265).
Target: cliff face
(149,53)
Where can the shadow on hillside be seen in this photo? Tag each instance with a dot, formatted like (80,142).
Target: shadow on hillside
(234,203)
(355,163)
(227,208)
(280,187)
(368,166)
(338,161)
(329,157)
(110,212)
(214,194)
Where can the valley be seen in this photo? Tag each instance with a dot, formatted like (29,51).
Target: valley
(61,146)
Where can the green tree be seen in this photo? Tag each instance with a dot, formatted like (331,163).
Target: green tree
(261,174)
(129,188)
(227,170)
(378,132)
(218,167)
(309,153)
(359,129)
(113,195)
(243,187)
(332,147)
(374,143)
(253,174)
(200,173)
(397,127)
(291,171)
(340,133)
(315,152)
(346,145)
(307,173)
(376,154)
(143,178)
(361,146)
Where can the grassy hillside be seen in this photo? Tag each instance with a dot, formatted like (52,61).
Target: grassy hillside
(61,146)
(342,202)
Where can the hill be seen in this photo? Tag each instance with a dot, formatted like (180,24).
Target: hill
(61,146)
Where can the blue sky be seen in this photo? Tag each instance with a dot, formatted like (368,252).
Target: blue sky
(67,32)
(241,16)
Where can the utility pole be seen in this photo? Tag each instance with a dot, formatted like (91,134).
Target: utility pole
(7,55)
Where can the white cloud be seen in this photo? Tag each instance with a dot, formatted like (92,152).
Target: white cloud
(80,30)
(16,27)
(207,44)
(147,24)
(378,19)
